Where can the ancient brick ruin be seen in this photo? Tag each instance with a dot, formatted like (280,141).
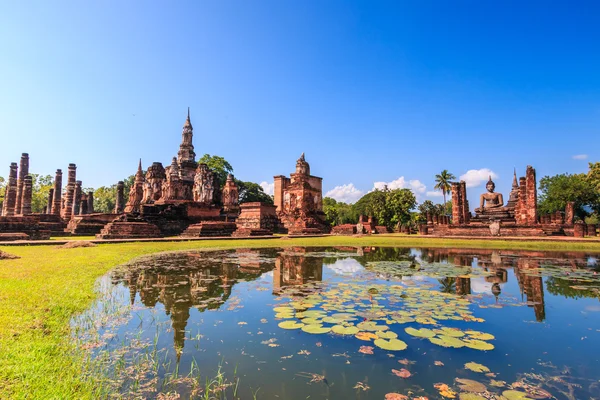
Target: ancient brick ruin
(299,201)
(257,219)
(519,217)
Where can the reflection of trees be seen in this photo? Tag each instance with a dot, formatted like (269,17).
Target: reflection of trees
(181,281)
(447,285)
(564,287)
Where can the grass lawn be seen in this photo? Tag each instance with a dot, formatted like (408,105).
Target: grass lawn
(41,291)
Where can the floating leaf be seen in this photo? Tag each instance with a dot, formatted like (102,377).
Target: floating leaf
(402,373)
(515,395)
(366,349)
(473,366)
(367,336)
(290,325)
(392,344)
(450,332)
(480,335)
(395,396)
(469,385)
(470,396)
(478,344)
(387,335)
(447,341)
(342,330)
(423,332)
(315,328)
(445,390)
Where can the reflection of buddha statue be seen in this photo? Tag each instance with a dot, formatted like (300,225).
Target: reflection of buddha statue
(490,200)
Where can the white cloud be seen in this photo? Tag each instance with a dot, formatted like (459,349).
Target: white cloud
(580,157)
(269,188)
(347,266)
(401,183)
(475,177)
(435,193)
(346,193)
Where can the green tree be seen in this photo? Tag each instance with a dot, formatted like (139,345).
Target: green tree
(389,207)
(252,192)
(557,190)
(39,193)
(105,198)
(2,190)
(218,165)
(443,182)
(330,210)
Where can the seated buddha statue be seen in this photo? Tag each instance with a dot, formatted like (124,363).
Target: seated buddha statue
(490,201)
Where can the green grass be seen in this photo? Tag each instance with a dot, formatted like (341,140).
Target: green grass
(47,286)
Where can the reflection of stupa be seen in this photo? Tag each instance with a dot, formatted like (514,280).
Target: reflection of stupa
(293,268)
(531,286)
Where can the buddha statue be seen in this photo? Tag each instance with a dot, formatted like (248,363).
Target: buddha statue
(491,200)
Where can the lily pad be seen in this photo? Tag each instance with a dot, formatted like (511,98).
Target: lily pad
(342,330)
(387,335)
(290,325)
(367,336)
(470,396)
(469,385)
(473,366)
(315,328)
(478,344)
(392,344)
(515,395)
(422,333)
(447,341)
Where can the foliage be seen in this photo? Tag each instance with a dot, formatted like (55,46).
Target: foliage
(252,192)
(39,196)
(433,209)
(219,166)
(105,196)
(444,182)
(2,190)
(338,213)
(557,190)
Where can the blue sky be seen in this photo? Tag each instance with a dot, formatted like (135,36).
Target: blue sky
(371,91)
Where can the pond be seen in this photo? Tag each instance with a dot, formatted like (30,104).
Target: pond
(348,323)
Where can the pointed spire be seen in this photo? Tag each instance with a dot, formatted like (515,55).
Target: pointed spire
(140,166)
(188,113)
(515,183)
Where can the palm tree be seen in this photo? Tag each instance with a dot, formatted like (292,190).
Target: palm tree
(443,182)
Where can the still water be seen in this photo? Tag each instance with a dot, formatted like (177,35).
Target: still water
(349,323)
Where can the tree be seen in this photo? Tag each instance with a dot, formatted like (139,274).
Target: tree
(40,190)
(444,182)
(389,207)
(218,165)
(556,191)
(2,190)
(338,213)
(330,210)
(252,192)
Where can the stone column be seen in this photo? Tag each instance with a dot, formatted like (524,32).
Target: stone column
(531,185)
(83,203)
(591,230)
(77,198)
(27,194)
(456,204)
(120,202)
(90,202)
(49,205)
(520,213)
(23,172)
(569,213)
(579,229)
(464,210)
(57,200)
(67,211)
(10,197)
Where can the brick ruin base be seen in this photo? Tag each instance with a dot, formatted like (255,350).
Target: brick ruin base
(26,224)
(345,229)
(89,224)
(129,226)
(256,219)
(210,229)
(508,229)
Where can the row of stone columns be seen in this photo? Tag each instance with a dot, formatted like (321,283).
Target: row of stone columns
(17,198)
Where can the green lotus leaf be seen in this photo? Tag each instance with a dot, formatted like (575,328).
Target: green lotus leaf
(315,328)
(478,344)
(283,309)
(312,321)
(473,366)
(480,335)
(447,341)
(284,315)
(422,333)
(450,332)
(290,325)
(469,385)
(313,313)
(386,334)
(515,395)
(392,344)
(342,330)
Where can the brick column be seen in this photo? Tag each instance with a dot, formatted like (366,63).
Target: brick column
(520,213)
(10,197)
(57,200)
(456,204)
(531,185)
(83,203)
(23,172)
(591,230)
(569,213)
(77,198)
(120,201)
(90,202)
(67,210)
(49,204)
(465,212)
(27,194)
(579,229)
